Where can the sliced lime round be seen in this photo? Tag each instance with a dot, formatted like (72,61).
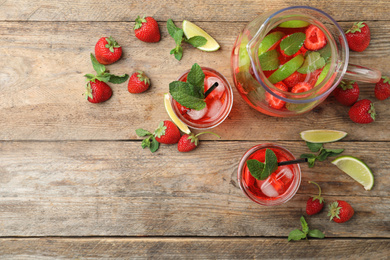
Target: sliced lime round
(191,30)
(294,24)
(168,107)
(323,74)
(287,69)
(269,41)
(322,136)
(356,169)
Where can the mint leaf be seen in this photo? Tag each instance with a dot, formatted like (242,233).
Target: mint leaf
(178,37)
(305,227)
(316,233)
(296,235)
(314,147)
(292,43)
(154,145)
(171,27)
(311,162)
(99,68)
(105,77)
(311,158)
(334,152)
(313,61)
(178,52)
(270,164)
(255,167)
(187,95)
(145,143)
(325,52)
(269,60)
(196,77)
(197,41)
(142,132)
(118,79)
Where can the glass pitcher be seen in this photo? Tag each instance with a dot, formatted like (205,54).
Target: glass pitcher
(253,83)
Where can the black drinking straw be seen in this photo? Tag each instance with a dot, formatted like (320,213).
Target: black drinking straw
(210,89)
(302,160)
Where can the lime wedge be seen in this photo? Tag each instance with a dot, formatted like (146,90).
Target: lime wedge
(357,169)
(294,24)
(168,107)
(269,41)
(322,136)
(287,69)
(191,30)
(323,74)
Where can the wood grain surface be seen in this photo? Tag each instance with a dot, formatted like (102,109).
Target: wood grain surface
(76,184)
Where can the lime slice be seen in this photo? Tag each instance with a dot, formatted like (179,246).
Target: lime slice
(322,136)
(287,69)
(191,30)
(269,41)
(357,169)
(294,24)
(168,107)
(323,74)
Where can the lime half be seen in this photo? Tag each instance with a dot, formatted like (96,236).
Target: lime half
(322,136)
(191,30)
(357,169)
(168,107)
(294,24)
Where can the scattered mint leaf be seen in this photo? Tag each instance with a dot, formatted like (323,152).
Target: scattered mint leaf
(292,43)
(316,233)
(142,132)
(145,143)
(334,152)
(149,141)
(118,79)
(255,167)
(103,75)
(305,227)
(99,68)
(269,60)
(296,234)
(172,28)
(314,147)
(154,145)
(311,162)
(313,61)
(197,41)
(196,77)
(178,37)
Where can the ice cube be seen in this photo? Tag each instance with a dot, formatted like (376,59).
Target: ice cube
(197,114)
(217,93)
(284,174)
(272,187)
(214,108)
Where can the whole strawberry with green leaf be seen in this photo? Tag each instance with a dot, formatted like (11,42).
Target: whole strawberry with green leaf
(107,50)
(97,90)
(167,133)
(362,112)
(146,29)
(340,211)
(189,142)
(138,82)
(347,92)
(358,36)
(382,88)
(315,203)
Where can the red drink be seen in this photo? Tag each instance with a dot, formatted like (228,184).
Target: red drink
(279,187)
(218,103)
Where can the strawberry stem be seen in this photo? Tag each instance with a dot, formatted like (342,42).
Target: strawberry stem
(319,195)
(210,89)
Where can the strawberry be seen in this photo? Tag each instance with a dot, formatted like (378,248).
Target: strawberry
(138,82)
(274,101)
(340,211)
(382,88)
(301,87)
(167,133)
(358,36)
(107,50)
(315,203)
(347,92)
(294,79)
(362,112)
(146,29)
(189,142)
(97,91)
(315,38)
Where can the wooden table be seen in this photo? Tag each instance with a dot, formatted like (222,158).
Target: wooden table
(75,182)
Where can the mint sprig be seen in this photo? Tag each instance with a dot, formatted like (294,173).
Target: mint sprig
(178,35)
(298,234)
(191,93)
(322,154)
(269,60)
(103,75)
(313,61)
(150,141)
(292,43)
(261,171)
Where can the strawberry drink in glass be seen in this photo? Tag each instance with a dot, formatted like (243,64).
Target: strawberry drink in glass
(219,102)
(277,188)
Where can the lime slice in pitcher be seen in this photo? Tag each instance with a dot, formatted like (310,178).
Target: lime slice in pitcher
(287,69)
(191,30)
(269,41)
(294,24)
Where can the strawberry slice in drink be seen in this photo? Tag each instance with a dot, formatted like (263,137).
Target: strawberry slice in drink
(315,38)
(273,101)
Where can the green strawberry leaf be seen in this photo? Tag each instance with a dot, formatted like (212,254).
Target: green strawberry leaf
(99,68)
(197,41)
(292,43)
(314,147)
(296,235)
(313,61)
(269,60)
(187,95)
(305,227)
(142,132)
(255,167)
(118,79)
(315,233)
(196,77)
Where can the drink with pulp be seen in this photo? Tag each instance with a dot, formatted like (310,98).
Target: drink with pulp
(279,187)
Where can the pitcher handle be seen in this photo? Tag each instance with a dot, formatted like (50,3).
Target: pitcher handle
(362,74)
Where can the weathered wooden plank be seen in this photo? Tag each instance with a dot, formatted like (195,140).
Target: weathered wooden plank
(193,248)
(219,10)
(118,189)
(42,85)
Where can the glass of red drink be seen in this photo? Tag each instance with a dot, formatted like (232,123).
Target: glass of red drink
(279,187)
(218,103)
